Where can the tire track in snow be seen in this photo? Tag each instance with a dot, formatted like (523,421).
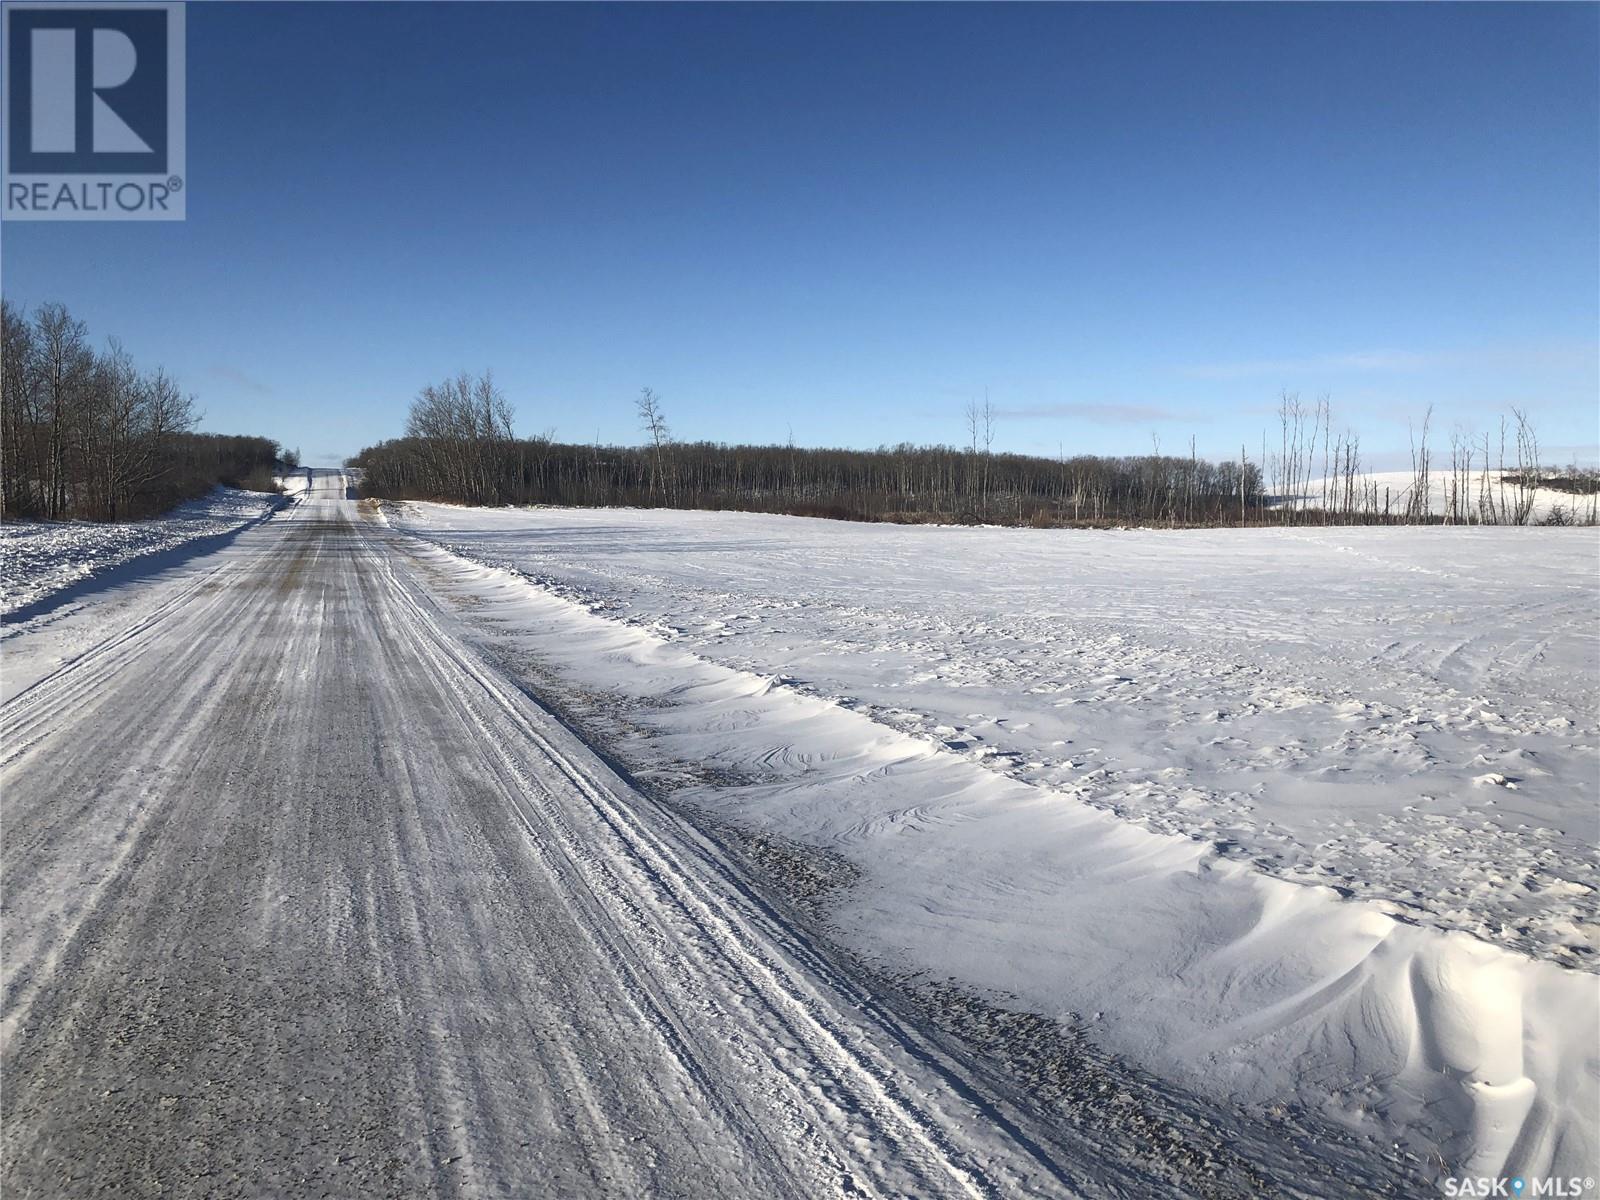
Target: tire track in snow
(300,896)
(799,1006)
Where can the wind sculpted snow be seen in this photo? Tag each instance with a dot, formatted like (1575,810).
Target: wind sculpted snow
(1135,779)
(302,898)
(307,886)
(39,560)
(1350,707)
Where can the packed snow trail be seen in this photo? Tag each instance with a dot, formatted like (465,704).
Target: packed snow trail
(300,898)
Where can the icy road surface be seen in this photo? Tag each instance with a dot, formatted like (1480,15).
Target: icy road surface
(305,893)
(302,899)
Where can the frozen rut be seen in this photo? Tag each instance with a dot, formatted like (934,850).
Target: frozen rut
(302,898)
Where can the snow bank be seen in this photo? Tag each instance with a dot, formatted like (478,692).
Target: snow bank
(294,484)
(1244,987)
(1408,715)
(38,559)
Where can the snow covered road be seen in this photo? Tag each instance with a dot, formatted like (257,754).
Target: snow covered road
(307,892)
(302,899)
(1212,798)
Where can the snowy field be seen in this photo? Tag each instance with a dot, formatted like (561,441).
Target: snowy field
(1394,489)
(1350,706)
(1304,819)
(40,559)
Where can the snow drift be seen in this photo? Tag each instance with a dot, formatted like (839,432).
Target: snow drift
(40,558)
(1164,941)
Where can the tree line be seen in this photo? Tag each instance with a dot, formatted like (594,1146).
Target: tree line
(88,434)
(459,446)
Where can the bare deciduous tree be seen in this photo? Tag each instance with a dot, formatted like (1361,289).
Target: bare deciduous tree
(909,482)
(90,435)
(654,423)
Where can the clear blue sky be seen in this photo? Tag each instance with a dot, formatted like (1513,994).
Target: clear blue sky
(849,220)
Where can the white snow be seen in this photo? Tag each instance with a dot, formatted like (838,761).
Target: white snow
(1239,801)
(1391,491)
(39,559)
(1318,702)
(503,972)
